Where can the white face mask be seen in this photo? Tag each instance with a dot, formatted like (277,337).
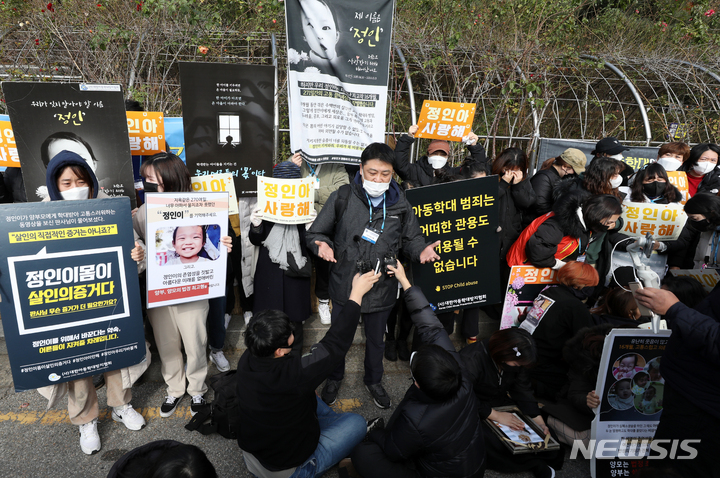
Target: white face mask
(75,193)
(670,164)
(374,189)
(704,167)
(437,161)
(618,156)
(616,181)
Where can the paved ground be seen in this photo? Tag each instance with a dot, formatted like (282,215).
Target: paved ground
(35,442)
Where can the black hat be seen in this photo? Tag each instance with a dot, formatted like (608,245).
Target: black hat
(610,146)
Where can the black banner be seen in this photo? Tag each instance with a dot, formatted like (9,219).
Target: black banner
(84,118)
(70,296)
(228,121)
(636,157)
(464,216)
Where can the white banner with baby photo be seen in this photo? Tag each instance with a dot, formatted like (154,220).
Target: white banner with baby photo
(630,388)
(185,260)
(338,61)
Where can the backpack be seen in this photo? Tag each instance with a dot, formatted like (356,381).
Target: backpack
(517,256)
(222,413)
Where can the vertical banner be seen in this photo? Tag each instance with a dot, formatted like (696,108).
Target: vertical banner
(69,294)
(85,118)
(463,215)
(524,286)
(630,388)
(217,183)
(185,260)
(664,221)
(338,62)
(228,121)
(286,201)
(147,132)
(445,120)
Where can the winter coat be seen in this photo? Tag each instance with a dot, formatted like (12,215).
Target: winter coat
(421,172)
(563,318)
(692,358)
(138,461)
(15,185)
(249,251)
(343,233)
(710,182)
(443,439)
(544,183)
(331,175)
(492,389)
(277,405)
(273,288)
(513,201)
(690,250)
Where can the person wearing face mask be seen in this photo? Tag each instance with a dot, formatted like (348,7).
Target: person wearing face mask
(651,185)
(361,225)
(568,165)
(672,155)
(701,168)
(557,314)
(699,239)
(498,368)
(430,168)
(70,178)
(602,176)
(610,147)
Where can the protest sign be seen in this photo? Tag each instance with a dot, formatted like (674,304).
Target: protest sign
(286,201)
(524,286)
(69,295)
(147,132)
(631,390)
(185,259)
(463,215)
(707,277)
(228,121)
(445,120)
(175,137)
(664,221)
(84,118)
(338,60)
(636,157)
(217,183)
(680,181)
(8,149)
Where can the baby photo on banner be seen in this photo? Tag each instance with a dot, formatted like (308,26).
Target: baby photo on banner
(185,259)
(87,119)
(338,61)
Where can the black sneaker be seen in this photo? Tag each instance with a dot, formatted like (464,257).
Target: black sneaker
(330,391)
(197,404)
(382,399)
(98,381)
(403,352)
(168,407)
(374,424)
(391,351)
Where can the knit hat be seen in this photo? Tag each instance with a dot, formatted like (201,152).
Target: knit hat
(575,159)
(286,170)
(439,145)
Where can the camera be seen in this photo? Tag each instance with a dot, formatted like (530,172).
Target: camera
(363,267)
(389,260)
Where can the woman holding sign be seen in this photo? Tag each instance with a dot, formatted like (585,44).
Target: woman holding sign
(183,325)
(701,168)
(70,177)
(652,185)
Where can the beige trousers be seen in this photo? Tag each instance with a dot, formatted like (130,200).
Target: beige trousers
(180,325)
(83,400)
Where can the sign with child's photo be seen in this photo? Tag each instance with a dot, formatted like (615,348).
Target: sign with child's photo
(631,388)
(523,289)
(69,294)
(445,120)
(286,201)
(185,259)
(663,221)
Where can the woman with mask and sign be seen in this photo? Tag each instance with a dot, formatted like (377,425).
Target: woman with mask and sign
(651,185)
(701,168)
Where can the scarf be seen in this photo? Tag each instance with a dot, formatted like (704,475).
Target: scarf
(283,240)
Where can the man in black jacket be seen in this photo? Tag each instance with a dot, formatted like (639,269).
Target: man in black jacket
(363,225)
(286,430)
(436,426)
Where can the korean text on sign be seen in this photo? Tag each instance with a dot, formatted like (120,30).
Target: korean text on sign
(445,120)
(663,221)
(217,183)
(146,131)
(679,180)
(286,201)
(8,150)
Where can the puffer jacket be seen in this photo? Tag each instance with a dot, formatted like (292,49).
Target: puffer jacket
(514,200)
(710,182)
(343,233)
(444,439)
(544,183)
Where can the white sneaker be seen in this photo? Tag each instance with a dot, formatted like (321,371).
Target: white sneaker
(89,438)
(227,320)
(324,311)
(247,316)
(197,403)
(218,358)
(128,416)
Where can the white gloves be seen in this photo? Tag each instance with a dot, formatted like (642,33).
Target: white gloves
(256,217)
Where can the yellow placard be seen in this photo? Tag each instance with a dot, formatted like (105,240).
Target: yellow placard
(8,150)
(286,201)
(218,183)
(663,221)
(445,120)
(146,130)
(680,181)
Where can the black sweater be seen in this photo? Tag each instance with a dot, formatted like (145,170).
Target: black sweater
(277,401)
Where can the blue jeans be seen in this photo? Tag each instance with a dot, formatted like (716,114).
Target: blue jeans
(339,433)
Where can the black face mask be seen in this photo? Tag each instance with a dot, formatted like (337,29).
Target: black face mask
(654,189)
(583,293)
(150,187)
(701,226)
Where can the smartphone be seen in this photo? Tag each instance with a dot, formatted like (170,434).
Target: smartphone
(644,311)
(377,267)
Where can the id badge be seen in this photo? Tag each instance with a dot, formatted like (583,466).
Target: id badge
(316,184)
(581,258)
(371,235)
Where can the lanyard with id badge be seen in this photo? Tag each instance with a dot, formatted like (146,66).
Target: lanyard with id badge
(370,234)
(316,174)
